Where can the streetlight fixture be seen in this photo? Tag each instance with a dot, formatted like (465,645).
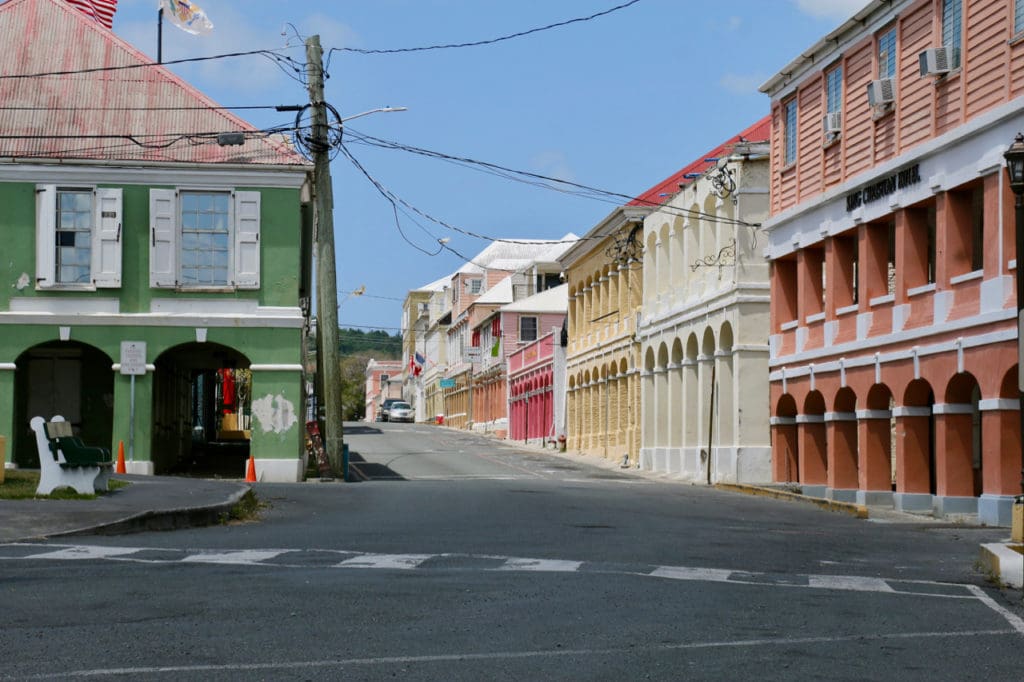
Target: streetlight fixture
(1015,168)
(378,110)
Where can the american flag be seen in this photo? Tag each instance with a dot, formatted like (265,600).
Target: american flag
(100,10)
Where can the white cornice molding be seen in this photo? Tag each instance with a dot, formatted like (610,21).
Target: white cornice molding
(256,321)
(248,175)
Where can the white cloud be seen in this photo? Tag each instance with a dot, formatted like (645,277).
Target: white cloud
(831,9)
(742,84)
(553,163)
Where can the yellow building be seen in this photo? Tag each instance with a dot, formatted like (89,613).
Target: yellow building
(604,271)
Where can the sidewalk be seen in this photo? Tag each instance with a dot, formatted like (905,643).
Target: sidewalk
(149,503)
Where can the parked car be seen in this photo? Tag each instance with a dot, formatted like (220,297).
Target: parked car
(401,412)
(385,408)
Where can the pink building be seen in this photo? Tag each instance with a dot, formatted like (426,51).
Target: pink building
(536,365)
(893,362)
(383,381)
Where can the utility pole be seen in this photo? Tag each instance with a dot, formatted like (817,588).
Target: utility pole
(326,274)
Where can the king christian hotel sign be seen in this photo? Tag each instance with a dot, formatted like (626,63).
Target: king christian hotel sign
(883,187)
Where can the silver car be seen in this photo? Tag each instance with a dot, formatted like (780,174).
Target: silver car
(401,412)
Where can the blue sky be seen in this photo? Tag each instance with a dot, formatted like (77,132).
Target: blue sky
(617,103)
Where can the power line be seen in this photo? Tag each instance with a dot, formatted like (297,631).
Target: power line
(193,108)
(489,41)
(585,191)
(269,54)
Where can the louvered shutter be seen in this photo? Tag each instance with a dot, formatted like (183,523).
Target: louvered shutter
(247,240)
(46,228)
(163,238)
(106,238)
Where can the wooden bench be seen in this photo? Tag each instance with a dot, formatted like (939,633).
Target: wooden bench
(65,461)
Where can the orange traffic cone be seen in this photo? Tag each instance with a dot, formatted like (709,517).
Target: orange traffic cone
(119,469)
(250,471)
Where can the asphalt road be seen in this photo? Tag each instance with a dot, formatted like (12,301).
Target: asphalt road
(465,559)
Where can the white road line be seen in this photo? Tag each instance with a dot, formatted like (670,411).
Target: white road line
(714,575)
(507,655)
(540,565)
(399,561)
(1015,622)
(849,582)
(241,556)
(85,552)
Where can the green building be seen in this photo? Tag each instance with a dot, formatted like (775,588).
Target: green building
(126,228)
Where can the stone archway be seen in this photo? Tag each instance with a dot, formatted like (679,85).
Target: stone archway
(72,379)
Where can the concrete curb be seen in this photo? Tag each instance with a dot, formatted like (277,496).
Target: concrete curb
(163,519)
(857,510)
(1003,563)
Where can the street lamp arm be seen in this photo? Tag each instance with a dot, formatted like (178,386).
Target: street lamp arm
(378,110)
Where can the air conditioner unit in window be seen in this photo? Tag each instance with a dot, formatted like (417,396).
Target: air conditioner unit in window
(882,91)
(936,61)
(832,123)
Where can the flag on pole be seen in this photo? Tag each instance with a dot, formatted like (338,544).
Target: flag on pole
(100,10)
(187,16)
(420,360)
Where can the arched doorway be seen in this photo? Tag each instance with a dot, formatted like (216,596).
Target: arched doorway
(201,408)
(68,378)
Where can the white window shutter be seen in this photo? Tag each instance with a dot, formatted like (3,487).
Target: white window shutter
(106,238)
(46,229)
(247,240)
(163,238)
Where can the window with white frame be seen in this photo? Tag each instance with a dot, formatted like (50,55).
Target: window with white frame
(834,90)
(887,54)
(952,18)
(789,132)
(476,286)
(527,328)
(204,239)
(78,237)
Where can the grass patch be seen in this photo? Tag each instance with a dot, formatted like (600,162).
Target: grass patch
(20,484)
(246,510)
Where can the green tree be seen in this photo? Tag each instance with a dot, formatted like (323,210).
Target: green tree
(353,384)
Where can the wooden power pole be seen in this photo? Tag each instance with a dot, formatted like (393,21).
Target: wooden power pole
(326,273)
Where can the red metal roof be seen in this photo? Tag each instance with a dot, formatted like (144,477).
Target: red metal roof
(667,188)
(45,36)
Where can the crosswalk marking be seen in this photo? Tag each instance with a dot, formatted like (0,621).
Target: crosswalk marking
(84,552)
(714,575)
(397,561)
(239,556)
(544,565)
(319,559)
(849,582)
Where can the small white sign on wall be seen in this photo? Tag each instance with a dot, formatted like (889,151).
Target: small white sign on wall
(133,357)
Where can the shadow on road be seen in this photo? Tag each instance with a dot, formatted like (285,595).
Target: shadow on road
(371,471)
(362,431)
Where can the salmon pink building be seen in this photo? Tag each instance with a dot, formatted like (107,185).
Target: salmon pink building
(893,348)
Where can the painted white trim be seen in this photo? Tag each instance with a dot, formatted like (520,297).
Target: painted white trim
(882,300)
(967,277)
(991,404)
(64,306)
(810,419)
(782,421)
(9,366)
(846,310)
(67,171)
(214,306)
(873,414)
(952,408)
(278,470)
(923,289)
(840,416)
(116,367)
(911,412)
(905,337)
(276,368)
(787,326)
(816,317)
(150,320)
